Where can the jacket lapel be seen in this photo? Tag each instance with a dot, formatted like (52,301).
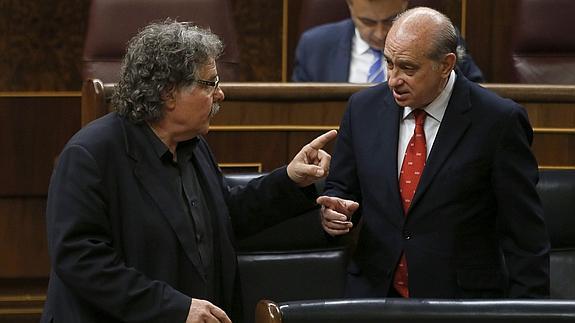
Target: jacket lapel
(389,117)
(147,171)
(453,126)
(221,224)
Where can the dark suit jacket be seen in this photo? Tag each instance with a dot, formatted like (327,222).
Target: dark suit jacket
(475,227)
(121,245)
(323,54)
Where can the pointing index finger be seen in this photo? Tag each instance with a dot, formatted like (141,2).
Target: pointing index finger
(321,141)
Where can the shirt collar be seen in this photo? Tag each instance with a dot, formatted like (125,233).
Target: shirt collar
(184,148)
(436,109)
(360,46)
(158,146)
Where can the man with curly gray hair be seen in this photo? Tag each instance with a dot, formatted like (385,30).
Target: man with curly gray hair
(140,220)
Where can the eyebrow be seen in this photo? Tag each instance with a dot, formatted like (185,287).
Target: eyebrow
(387,19)
(365,19)
(212,78)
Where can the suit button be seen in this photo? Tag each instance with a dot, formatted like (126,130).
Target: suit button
(406,235)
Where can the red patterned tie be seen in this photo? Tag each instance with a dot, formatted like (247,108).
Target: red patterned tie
(411,169)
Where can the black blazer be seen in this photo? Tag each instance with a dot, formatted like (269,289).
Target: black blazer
(323,54)
(123,249)
(475,227)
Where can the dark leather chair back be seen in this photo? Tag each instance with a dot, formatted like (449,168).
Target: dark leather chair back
(557,192)
(556,189)
(290,261)
(299,233)
(112,23)
(290,276)
(542,44)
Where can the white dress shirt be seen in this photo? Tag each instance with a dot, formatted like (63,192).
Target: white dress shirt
(361,60)
(435,111)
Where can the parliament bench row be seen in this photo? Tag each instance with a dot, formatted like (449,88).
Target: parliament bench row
(293,265)
(392,310)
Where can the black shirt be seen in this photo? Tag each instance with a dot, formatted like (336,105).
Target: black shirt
(182,173)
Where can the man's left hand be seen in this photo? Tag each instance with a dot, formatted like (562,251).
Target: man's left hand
(312,162)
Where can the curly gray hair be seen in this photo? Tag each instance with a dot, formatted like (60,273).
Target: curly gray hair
(161,57)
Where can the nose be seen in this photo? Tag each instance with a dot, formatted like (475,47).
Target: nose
(393,78)
(380,31)
(219,94)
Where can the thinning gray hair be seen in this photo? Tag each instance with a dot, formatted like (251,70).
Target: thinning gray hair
(444,40)
(161,57)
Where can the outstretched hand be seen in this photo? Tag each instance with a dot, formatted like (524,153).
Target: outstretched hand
(312,162)
(336,214)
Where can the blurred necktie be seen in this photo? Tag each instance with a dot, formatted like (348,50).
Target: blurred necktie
(376,71)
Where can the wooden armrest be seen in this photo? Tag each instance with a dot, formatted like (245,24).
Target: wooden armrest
(268,312)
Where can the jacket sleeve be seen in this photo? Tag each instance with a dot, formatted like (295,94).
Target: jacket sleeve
(342,180)
(266,201)
(84,255)
(524,237)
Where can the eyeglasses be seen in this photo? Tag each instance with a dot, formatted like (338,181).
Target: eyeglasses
(212,84)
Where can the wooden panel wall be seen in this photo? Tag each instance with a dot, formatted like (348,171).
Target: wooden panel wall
(488,25)
(259,24)
(41,44)
(34,127)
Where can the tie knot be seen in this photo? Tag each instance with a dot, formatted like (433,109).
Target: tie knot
(419,116)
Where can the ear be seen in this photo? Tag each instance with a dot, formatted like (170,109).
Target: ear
(168,95)
(448,64)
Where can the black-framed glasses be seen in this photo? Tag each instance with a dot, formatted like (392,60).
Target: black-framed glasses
(212,84)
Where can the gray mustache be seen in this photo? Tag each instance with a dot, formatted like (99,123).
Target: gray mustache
(215,109)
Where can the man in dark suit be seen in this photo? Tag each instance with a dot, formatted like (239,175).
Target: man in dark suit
(340,52)
(441,173)
(140,221)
